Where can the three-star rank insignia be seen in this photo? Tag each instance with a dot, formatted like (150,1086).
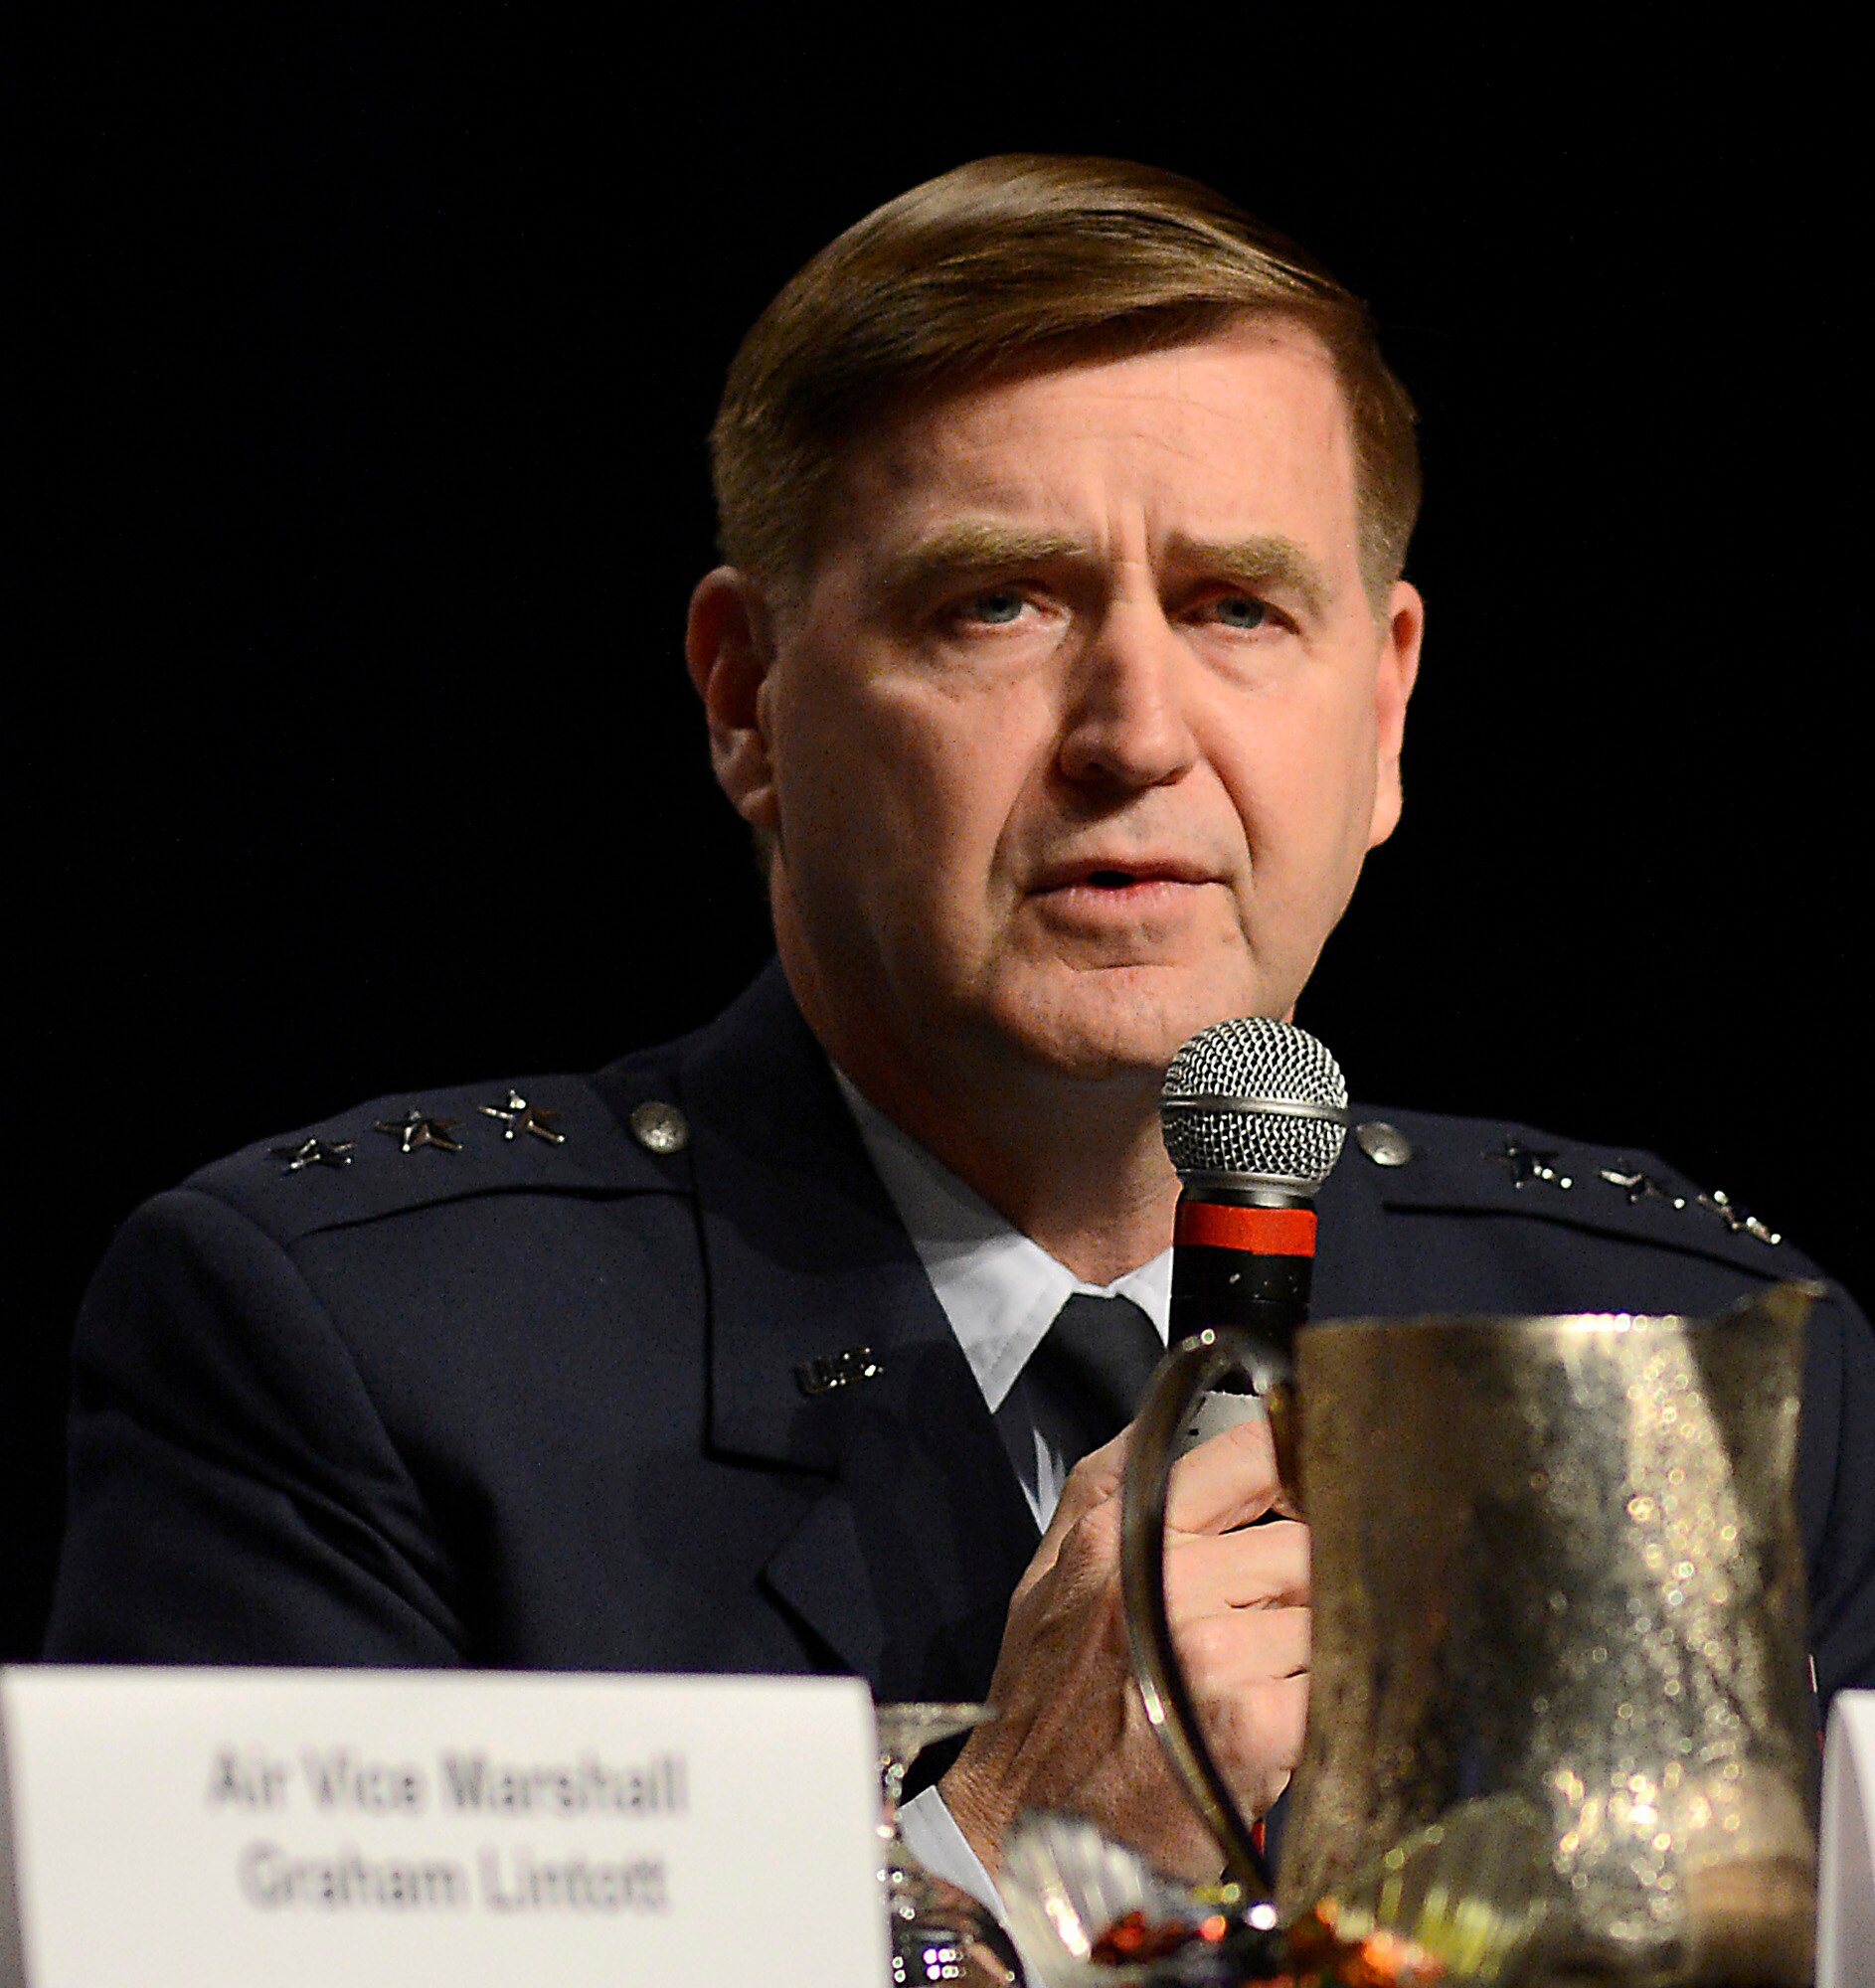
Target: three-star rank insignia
(1527,1164)
(517,1115)
(314,1152)
(417,1128)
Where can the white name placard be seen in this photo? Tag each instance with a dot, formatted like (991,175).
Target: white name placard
(306,1829)
(1845,1902)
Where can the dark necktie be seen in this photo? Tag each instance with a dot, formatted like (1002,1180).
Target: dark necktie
(1091,1368)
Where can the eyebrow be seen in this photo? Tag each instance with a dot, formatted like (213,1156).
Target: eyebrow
(1268,563)
(975,545)
(1263,563)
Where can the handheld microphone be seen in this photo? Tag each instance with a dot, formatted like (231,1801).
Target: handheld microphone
(1252,1112)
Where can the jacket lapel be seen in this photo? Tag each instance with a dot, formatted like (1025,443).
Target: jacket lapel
(904,1565)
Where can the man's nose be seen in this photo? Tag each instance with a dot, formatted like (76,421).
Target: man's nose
(1124,721)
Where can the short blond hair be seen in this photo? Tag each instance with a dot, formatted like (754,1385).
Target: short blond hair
(1010,266)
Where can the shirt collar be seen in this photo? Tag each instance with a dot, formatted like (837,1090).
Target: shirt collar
(999,1289)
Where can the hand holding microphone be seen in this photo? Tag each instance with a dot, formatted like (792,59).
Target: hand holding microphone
(1253,1113)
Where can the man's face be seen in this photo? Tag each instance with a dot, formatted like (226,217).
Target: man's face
(1077,736)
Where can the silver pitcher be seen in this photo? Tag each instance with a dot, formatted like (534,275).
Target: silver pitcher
(1556,1568)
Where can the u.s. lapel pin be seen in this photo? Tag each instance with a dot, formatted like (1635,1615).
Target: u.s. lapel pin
(827,1371)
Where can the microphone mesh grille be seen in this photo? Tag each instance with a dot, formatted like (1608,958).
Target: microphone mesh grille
(1255,1059)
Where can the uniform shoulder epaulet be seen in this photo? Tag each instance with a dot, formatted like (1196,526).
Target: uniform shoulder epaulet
(1418,1159)
(552,1134)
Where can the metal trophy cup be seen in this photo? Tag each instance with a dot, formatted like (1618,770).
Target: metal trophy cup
(1555,1569)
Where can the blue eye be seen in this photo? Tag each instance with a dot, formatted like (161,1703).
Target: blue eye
(1002,604)
(1241,611)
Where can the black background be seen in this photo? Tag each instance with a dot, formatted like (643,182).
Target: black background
(368,485)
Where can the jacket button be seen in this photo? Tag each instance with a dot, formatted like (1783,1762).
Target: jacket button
(660,1127)
(1386,1145)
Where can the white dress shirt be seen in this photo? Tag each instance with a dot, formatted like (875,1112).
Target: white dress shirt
(1000,1290)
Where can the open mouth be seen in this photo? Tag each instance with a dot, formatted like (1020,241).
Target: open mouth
(1115,885)
(1114,878)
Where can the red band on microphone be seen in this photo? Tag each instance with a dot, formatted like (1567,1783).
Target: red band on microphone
(1262,1232)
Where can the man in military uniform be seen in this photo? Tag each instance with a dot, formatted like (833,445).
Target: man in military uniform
(1059,664)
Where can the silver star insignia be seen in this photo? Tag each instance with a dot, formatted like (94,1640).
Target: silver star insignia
(316,1153)
(1640,1186)
(1527,1164)
(417,1128)
(1736,1219)
(518,1115)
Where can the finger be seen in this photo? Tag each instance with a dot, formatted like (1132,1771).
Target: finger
(1255,1734)
(1242,1649)
(1093,1482)
(1266,1566)
(1228,1480)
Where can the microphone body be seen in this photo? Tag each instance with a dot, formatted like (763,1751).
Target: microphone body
(1238,1261)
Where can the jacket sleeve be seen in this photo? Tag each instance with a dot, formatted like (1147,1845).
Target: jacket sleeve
(233,1496)
(1837,1496)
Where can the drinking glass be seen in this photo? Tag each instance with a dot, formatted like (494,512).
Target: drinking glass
(938,1932)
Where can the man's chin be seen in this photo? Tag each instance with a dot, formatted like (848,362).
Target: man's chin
(1125,1021)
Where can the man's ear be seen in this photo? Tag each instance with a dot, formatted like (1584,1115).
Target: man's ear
(729,643)
(1396,672)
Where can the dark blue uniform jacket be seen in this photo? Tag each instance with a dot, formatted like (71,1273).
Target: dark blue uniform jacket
(531,1405)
